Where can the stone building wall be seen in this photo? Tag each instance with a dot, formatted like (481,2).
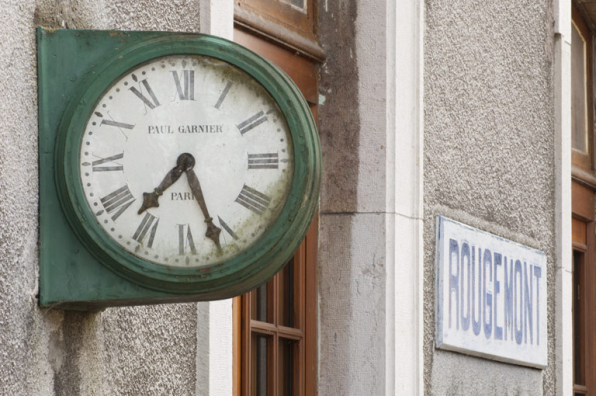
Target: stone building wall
(489,152)
(120,351)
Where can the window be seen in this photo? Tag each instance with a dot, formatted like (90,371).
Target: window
(275,326)
(582,118)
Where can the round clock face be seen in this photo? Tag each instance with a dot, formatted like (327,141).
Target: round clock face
(186,161)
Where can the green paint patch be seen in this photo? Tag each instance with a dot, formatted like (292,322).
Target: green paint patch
(322,100)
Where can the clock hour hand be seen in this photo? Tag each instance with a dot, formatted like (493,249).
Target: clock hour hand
(213,231)
(150,200)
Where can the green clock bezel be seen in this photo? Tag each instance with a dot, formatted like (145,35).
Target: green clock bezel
(270,252)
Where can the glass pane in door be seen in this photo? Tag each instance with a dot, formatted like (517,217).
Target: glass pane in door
(287,381)
(261,303)
(261,358)
(288,295)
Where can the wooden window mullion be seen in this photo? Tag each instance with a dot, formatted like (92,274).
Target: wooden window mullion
(299,271)
(272,377)
(300,364)
(275,307)
(310,301)
(246,345)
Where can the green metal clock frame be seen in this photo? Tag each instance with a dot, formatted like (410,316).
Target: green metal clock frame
(80,92)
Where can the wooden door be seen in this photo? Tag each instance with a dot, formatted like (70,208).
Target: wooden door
(584,291)
(583,190)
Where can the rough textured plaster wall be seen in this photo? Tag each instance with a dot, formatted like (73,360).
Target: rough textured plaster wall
(175,15)
(352,248)
(170,15)
(124,351)
(151,350)
(488,158)
(18,204)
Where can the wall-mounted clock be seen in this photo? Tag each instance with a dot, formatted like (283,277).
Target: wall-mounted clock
(183,167)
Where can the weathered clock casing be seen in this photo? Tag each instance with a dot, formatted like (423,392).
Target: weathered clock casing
(82,269)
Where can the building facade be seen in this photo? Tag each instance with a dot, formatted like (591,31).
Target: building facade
(479,112)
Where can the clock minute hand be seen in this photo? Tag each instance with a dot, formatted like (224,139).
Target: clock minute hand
(213,231)
(150,200)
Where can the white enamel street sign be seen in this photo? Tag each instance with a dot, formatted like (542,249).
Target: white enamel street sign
(491,296)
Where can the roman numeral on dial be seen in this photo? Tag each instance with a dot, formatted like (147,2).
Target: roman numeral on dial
(116,124)
(185,241)
(186,85)
(117,202)
(144,227)
(227,228)
(223,95)
(113,123)
(109,168)
(150,102)
(252,122)
(263,161)
(253,200)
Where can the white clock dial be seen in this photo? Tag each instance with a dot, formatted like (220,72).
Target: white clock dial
(201,138)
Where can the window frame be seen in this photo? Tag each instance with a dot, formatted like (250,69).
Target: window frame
(581,161)
(280,23)
(305,333)
(584,288)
